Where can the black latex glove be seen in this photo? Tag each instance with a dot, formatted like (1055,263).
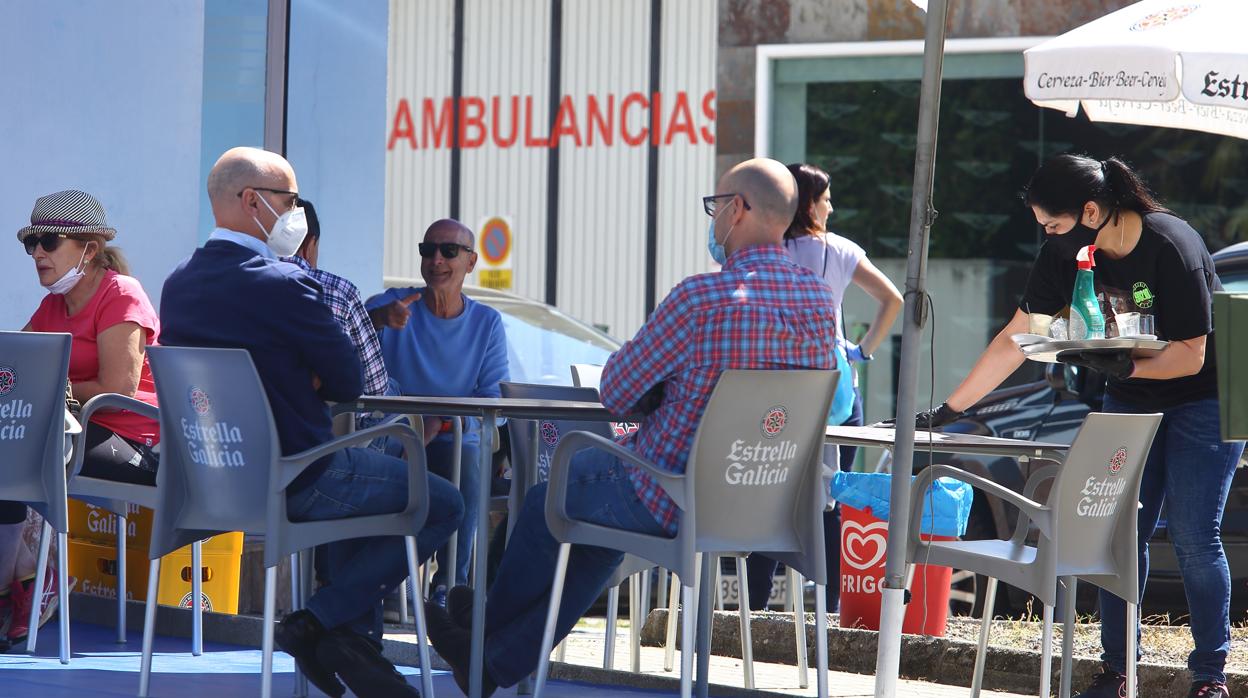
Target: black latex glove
(1118,364)
(929,419)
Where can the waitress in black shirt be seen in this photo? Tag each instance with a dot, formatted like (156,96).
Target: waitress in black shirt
(1152,262)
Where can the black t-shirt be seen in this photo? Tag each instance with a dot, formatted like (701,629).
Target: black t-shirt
(1169,275)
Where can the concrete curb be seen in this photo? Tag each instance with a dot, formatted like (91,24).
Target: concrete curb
(936,660)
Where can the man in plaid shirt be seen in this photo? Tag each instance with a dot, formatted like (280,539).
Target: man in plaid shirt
(761,311)
(343,299)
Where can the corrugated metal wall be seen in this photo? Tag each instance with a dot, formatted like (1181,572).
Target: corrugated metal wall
(602,197)
(686,170)
(506,56)
(605,58)
(417,181)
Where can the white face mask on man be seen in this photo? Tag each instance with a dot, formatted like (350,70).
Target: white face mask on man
(70,279)
(288,230)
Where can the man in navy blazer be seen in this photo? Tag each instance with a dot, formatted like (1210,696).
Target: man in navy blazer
(234,292)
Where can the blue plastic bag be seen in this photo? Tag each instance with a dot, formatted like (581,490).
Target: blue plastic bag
(843,400)
(946,505)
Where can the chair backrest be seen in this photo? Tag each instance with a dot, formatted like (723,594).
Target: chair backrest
(549,431)
(586,375)
(34,367)
(219,445)
(1094,499)
(757,464)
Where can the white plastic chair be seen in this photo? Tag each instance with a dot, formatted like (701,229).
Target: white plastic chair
(729,504)
(1087,530)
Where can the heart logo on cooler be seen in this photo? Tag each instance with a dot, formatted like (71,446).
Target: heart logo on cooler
(863,546)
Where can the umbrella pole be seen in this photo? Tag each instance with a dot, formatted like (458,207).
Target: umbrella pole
(913,319)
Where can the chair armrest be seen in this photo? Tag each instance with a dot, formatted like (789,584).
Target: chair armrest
(1037,478)
(1032,510)
(293,466)
(95,404)
(673,485)
(72,425)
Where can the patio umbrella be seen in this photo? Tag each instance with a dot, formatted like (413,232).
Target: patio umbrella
(1162,63)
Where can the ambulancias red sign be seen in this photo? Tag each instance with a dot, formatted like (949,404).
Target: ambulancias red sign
(634,120)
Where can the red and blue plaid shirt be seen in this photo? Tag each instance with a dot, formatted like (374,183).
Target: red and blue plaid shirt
(761,311)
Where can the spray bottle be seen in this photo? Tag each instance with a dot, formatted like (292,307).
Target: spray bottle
(1086,319)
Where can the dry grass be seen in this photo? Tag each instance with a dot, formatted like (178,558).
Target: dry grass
(1164,640)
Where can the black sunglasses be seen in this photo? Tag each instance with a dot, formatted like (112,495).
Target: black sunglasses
(711,204)
(48,241)
(449,250)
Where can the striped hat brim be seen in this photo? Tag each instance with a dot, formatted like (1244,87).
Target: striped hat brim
(72,231)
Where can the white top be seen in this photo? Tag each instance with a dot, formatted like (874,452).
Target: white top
(834,258)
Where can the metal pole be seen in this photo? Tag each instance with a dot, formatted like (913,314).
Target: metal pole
(921,215)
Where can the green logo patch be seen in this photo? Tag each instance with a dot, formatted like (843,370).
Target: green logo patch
(1142,295)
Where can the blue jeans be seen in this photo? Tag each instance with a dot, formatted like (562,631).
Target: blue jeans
(600,492)
(360,572)
(438,455)
(1189,469)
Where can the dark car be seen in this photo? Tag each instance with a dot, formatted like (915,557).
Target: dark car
(1052,410)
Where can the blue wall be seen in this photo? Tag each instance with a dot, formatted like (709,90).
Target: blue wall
(104,97)
(336,129)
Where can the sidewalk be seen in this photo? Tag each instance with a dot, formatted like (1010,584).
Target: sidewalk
(583,662)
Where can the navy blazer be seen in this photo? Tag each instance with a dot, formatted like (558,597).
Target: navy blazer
(225,295)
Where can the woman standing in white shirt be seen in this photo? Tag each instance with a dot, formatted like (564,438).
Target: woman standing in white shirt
(840,262)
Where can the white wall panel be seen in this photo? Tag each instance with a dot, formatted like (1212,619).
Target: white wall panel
(602,198)
(417,178)
(686,170)
(506,56)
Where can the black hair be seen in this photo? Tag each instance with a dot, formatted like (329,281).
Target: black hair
(812,182)
(314,223)
(1064,183)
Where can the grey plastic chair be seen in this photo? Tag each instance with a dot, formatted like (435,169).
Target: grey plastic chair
(222,470)
(1087,530)
(533,445)
(36,443)
(769,499)
(116,497)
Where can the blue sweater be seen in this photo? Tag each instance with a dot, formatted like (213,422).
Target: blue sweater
(464,356)
(226,295)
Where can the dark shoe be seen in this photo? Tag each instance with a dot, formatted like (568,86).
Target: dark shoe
(1208,689)
(1107,684)
(359,663)
(298,635)
(459,605)
(454,645)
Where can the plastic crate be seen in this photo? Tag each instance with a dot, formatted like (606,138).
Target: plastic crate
(222,558)
(95,566)
(90,523)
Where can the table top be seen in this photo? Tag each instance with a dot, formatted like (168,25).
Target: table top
(970,444)
(518,408)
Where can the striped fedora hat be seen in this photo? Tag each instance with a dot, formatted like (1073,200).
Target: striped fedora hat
(69,212)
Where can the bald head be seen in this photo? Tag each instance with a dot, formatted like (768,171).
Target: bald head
(766,198)
(244,168)
(450,230)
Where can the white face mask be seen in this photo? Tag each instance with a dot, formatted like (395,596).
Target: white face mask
(71,278)
(288,230)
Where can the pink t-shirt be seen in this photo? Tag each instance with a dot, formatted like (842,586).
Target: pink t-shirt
(118,299)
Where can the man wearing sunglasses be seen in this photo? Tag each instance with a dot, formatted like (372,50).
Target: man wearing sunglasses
(235,292)
(445,344)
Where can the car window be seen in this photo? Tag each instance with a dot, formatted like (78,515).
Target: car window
(1237,283)
(538,354)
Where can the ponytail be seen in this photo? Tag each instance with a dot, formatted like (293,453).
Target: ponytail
(111,258)
(1124,189)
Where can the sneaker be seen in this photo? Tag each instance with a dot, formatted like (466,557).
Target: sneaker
(360,665)
(438,595)
(452,644)
(459,605)
(298,635)
(1108,684)
(22,598)
(1208,689)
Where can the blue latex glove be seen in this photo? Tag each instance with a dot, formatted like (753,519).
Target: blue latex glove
(853,352)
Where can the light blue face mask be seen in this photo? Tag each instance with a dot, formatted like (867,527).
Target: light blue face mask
(716,248)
